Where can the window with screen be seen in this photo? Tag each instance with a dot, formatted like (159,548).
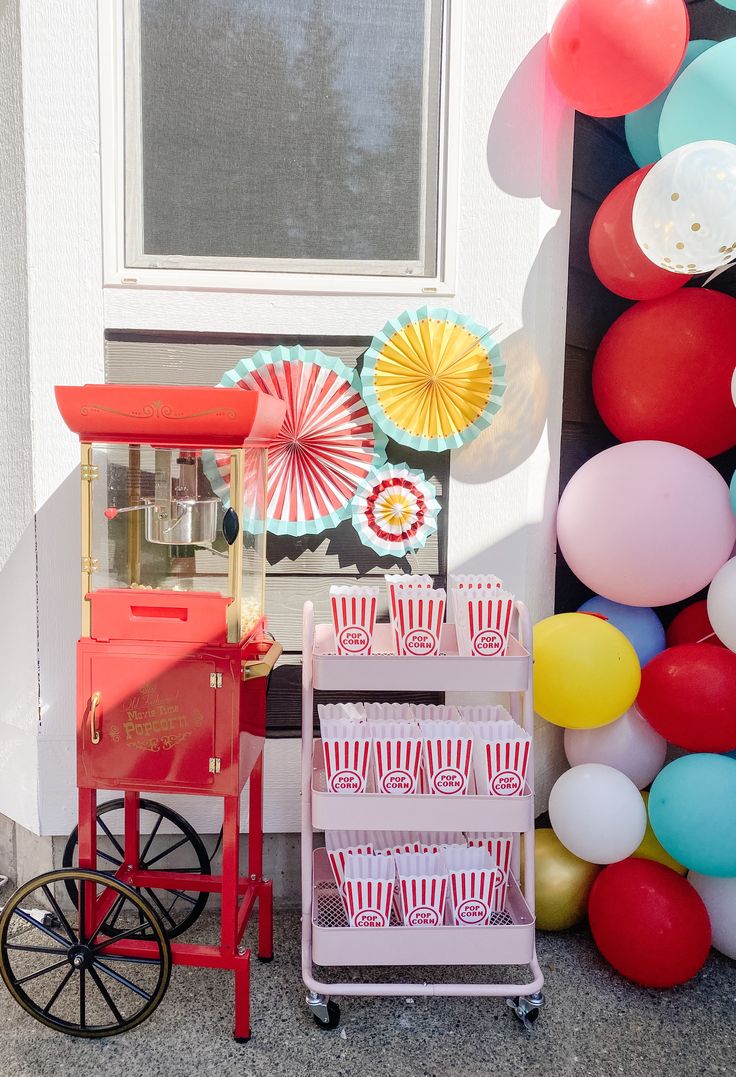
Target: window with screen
(298,136)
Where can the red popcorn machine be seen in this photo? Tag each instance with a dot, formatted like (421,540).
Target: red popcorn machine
(172,669)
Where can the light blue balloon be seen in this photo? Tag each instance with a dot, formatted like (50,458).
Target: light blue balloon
(692,809)
(641,626)
(642,126)
(730,4)
(702,102)
(733,491)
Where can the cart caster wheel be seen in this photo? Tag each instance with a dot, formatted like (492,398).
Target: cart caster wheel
(242,1039)
(265,960)
(325,1012)
(68,973)
(526,1008)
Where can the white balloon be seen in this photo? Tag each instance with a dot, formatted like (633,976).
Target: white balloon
(629,744)
(722,604)
(719,898)
(597,813)
(684,214)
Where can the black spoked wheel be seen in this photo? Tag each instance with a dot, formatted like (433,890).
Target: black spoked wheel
(331,1019)
(58,965)
(180,848)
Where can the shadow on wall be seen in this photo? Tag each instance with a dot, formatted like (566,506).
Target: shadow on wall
(521,153)
(518,427)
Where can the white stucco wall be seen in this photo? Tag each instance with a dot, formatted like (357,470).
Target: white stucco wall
(510,229)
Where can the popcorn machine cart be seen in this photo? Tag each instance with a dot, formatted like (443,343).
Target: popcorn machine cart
(172,669)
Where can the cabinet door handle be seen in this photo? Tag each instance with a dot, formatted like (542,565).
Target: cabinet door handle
(93,705)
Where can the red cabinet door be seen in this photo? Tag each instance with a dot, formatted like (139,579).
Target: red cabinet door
(154,715)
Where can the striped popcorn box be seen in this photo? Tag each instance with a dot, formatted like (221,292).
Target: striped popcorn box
(391,842)
(500,758)
(422,888)
(448,751)
(499,845)
(417,622)
(368,889)
(396,582)
(435,712)
(339,843)
(397,756)
(472,878)
(484,712)
(463,584)
(354,618)
(436,841)
(388,712)
(347,749)
(483,622)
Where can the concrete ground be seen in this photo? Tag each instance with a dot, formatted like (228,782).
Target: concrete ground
(594,1024)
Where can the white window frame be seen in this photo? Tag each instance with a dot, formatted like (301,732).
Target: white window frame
(118,21)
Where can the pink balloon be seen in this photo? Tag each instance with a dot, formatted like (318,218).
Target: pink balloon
(646,523)
(629,744)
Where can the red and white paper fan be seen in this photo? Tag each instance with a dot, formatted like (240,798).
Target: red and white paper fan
(328,443)
(395,510)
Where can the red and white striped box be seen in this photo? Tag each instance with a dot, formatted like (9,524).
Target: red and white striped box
(354,618)
(483,622)
(338,844)
(391,842)
(436,841)
(500,758)
(448,752)
(368,889)
(397,756)
(500,846)
(422,888)
(347,750)
(481,584)
(472,878)
(416,615)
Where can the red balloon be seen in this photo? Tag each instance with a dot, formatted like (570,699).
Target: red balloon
(663,372)
(692,625)
(649,923)
(608,57)
(688,694)
(616,257)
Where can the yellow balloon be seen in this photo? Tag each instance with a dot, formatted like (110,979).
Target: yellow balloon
(562,883)
(650,849)
(586,673)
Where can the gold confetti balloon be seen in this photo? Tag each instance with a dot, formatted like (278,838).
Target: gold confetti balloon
(684,214)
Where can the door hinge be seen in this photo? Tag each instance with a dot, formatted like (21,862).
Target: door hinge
(90,472)
(90,564)
(214,765)
(215,680)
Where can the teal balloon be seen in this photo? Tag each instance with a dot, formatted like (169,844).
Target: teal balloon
(730,4)
(701,105)
(641,626)
(692,809)
(642,126)
(733,479)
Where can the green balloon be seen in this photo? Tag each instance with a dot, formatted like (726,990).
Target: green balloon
(701,106)
(642,126)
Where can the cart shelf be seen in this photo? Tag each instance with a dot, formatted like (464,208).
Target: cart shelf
(509,940)
(418,811)
(405,673)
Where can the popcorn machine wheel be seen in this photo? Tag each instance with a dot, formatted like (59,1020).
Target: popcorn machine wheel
(172,671)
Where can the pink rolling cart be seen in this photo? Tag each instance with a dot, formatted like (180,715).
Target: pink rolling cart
(327,939)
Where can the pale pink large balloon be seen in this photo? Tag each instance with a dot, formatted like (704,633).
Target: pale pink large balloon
(646,523)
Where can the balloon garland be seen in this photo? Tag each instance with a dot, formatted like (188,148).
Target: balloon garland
(651,522)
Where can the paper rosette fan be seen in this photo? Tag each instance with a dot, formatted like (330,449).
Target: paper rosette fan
(433,379)
(327,444)
(395,510)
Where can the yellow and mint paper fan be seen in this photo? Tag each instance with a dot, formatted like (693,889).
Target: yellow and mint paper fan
(433,379)
(395,510)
